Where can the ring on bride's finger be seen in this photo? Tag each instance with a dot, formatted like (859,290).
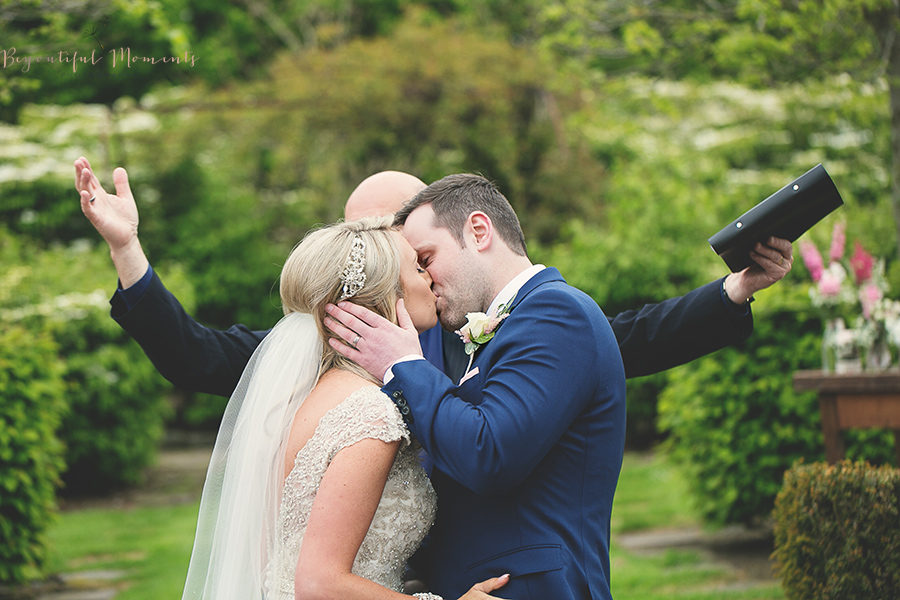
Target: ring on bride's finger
(781,260)
(92,199)
(355,340)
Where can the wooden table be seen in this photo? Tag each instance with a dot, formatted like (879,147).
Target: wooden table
(853,400)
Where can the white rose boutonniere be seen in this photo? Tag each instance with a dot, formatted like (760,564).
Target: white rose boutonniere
(481,328)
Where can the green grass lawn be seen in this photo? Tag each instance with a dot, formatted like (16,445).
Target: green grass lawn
(652,495)
(151,545)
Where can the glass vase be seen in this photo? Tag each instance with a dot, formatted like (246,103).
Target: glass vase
(878,356)
(829,345)
(844,342)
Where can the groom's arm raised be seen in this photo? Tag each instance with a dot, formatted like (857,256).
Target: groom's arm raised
(189,355)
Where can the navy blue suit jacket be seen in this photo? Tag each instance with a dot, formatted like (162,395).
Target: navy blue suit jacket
(526,451)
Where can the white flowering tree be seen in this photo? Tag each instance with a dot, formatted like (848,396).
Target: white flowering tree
(759,42)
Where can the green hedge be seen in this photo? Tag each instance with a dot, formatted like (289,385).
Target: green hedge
(735,423)
(116,417)
(116,401)
(837,532)
(32,395)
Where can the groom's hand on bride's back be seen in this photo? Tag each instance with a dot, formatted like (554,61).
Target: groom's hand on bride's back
(370,340)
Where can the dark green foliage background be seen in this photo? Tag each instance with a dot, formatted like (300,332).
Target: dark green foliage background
(114,399)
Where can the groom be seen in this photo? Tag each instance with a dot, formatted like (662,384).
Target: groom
(527,448)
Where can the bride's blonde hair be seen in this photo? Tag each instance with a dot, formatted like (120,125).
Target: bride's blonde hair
(310,278)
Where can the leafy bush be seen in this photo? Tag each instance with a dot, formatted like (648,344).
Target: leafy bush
(642,407)
(223,237)
(735,422)
(836,531)
(33,208)
(115,398)
(117,411)
(32,395)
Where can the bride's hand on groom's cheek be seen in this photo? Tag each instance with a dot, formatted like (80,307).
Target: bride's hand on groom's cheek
(370,340)
(482,590)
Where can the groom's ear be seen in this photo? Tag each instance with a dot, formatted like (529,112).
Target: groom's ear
(480,230)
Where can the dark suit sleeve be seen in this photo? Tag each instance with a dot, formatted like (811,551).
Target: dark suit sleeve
(676,331)
(191,356)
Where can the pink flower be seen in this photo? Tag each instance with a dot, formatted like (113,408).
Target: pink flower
(838,239)
(829,285)
(861,262)
(812,259)
(870,295)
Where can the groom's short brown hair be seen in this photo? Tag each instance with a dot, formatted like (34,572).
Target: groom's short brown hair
(455,197)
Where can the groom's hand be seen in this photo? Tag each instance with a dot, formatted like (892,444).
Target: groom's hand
(372,342)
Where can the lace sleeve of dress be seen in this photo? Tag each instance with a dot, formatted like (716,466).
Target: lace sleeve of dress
(367,413)
(427,596)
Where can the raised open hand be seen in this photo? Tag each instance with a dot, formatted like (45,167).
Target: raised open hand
(115,217)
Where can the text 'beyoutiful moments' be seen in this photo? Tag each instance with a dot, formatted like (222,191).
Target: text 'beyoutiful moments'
(120,58)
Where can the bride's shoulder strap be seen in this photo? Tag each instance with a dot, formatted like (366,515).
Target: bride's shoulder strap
(366,413)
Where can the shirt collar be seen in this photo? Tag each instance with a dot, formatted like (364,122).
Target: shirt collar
(508,293)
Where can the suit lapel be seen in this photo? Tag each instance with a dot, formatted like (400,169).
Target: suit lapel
(545,276)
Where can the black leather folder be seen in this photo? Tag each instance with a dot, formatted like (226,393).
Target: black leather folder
(788,214)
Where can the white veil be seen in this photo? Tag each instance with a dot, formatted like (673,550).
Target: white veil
(242,492)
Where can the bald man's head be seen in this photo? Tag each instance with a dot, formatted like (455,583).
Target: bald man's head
(381,194)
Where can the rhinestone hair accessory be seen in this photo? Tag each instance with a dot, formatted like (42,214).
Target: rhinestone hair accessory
(353,276)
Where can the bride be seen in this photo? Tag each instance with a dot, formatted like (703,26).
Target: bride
(314,488)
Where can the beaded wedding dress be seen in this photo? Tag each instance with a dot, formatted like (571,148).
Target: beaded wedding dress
(404,514)
(252,519)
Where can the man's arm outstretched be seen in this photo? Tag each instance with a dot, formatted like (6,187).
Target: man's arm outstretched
(191,356)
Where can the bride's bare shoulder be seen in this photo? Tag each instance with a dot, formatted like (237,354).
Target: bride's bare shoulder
(334,387)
